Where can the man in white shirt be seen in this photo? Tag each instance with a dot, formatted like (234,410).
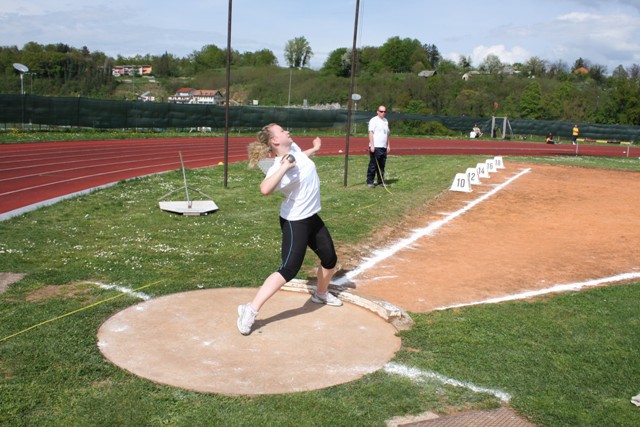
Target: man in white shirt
(379,147)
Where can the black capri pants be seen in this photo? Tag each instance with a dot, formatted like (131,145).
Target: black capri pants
(296,236)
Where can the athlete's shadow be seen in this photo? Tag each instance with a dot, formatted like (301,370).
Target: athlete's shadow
(307,307)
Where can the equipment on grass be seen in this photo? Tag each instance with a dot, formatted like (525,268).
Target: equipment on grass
(188,207)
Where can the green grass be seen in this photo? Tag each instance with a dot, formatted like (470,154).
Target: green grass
(565,360)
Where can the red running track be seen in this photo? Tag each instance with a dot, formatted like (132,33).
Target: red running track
(36,174)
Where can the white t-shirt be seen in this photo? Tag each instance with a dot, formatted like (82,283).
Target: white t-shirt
(300,186)
(380,128)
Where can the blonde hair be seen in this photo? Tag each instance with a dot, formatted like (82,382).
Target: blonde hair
(260,148)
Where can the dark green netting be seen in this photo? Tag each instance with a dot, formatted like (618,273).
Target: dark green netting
(105,114)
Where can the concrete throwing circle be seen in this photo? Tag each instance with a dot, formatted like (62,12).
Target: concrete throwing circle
(190,340)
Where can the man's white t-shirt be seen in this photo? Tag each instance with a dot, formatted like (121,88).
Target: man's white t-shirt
(300,185)
(380,128)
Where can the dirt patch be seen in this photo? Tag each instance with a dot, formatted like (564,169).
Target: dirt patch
(552,225)
(72,290)
(7,279)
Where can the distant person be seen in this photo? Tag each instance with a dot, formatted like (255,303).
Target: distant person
(575,133)
(379,147)
(294,174)
(549,139)
(476,131)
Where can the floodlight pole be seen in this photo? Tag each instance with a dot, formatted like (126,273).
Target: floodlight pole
(22,92)
(226,107)
(21,69)
(353,72)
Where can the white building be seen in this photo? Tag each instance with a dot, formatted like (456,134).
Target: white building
(188,95)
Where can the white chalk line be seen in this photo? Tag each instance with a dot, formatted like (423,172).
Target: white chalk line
(554,289)
(422,232)
(418,375)
(122,289)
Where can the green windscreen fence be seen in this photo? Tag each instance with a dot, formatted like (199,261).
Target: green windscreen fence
(106,114)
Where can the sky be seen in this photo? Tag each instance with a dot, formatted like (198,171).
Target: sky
(603,32)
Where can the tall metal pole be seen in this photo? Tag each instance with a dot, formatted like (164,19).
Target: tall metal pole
(290,74)
(226,107)
(22,92)
(353,73)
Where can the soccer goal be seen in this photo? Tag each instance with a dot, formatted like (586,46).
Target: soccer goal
(495,121)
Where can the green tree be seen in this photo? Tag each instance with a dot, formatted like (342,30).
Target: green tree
(297,52)
(265,57)
(468,103)
(491,64)
(338,63)
(400,55)
(624,107)
(416,107)
(464,62)
(535,67)
(164,66)
(210,56)
(558,70)
(634,72)
(433,55)
(579,63)
(370,60)
(598,73)
(531,101)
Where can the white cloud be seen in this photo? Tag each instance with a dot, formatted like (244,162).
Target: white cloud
(607,33)
(604,39)
(507,56)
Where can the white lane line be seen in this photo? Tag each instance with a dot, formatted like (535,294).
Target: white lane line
(80,178)
(418,375)
(123,289)
(554,289)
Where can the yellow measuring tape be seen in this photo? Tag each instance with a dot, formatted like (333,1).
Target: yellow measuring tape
(384,184)
(79,310)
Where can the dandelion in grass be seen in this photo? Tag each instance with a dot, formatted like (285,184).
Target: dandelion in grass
(161,247)
(104,254)
(6,250)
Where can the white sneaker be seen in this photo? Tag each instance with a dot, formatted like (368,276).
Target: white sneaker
(246,317)
(327,299)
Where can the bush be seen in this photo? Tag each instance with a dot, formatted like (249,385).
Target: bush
(419,127)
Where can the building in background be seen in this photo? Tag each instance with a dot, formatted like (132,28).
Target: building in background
(131,70)
(188,95)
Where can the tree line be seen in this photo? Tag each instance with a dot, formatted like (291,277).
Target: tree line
(390,74)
